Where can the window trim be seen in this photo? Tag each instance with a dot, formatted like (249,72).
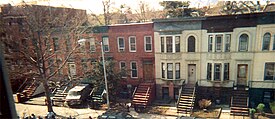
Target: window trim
(226,71)
(210,43)
(135,69)
(172,77)
(145,44)
(120,49)
(265,71)
(188,49)
(166,43)
(264,40)
(220,44)
(177,71)
(220,71)
(209,71)
(247,43)
(120,67)
(227,42)
(92,40)
(162,44)
(163,70)
(130,48)
(107,38)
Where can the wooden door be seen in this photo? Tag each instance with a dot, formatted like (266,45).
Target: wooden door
(148,71)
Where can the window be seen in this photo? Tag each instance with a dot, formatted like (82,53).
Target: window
(132,44)
(266,41)
(269,71)
(177,71)
(209,71)
(169,71)
(217,74)
(72,68)
(94,64)
(105,44)
(134,70)
(219,43)
(169,44)
(148,44)
(227,42)
(51,65)
(191,44)
(68,43)
(162,44)
(273,42)
(121,45)
(226,71)
(210,43)
(122,66)
(268,96)
(162,70)
(55,44)
(84,65)
(243,42)
(92,44)
(24,43)
(177,42)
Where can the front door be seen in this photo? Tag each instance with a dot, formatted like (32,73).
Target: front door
(148,72)
(242,74)
(191,73)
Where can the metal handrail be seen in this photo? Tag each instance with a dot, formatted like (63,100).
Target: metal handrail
(134,92)
(180,92)
(179,95)
(22,85)
(147,93)
(231,101)
(65,89)
(194,90)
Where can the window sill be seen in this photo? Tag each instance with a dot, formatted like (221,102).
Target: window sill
(170,79)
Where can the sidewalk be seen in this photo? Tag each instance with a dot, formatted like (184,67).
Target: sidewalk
(36,106)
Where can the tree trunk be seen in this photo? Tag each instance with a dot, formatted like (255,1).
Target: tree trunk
(48,98)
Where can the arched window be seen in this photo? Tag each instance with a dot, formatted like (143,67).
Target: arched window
(243,42)
(266,41)
(191,44)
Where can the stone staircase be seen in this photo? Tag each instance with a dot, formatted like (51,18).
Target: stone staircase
(60,94)
(186,99)
(97,95)
(239,102)
(28,91)
(144,95)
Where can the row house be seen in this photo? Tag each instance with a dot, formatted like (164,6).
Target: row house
(222,55)
(132,48)
(19,37)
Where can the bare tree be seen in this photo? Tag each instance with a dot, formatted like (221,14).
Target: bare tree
(41,31)
(240,7)
(106,11)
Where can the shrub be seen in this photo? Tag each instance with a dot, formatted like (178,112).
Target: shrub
(272,106)
(252,111)
(204,103)
(260,107)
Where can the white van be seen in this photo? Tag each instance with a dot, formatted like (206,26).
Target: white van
(78,94)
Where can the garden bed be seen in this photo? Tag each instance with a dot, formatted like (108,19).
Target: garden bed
(210,113)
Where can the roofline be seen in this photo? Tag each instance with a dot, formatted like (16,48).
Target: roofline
(131,24)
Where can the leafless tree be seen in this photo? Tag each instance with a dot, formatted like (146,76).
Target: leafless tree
(41,31)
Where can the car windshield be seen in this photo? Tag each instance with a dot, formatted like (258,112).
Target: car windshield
(74,93)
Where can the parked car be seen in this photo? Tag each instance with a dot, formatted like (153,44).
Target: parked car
(115,115)
(78,94)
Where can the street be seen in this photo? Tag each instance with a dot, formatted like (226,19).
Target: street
(35,106)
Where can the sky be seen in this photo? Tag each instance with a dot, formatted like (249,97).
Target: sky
(96,7)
